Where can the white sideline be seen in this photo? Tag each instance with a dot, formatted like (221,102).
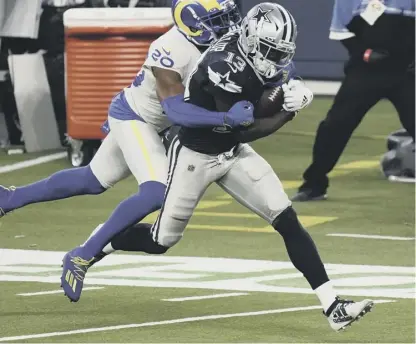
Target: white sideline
(60,291)
(32,162)
(204,297)
(167,322)
(364,236)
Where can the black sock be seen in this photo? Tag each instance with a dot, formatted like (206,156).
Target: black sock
(137,238)
(301,248)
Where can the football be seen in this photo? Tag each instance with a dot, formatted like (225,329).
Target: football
(270,102)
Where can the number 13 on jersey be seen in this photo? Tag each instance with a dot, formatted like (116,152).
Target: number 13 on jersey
(236,63)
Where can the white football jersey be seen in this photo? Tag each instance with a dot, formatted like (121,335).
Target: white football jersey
(170,51)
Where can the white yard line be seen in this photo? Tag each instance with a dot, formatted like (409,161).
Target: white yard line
(157,323)
(362,236)
(32,162)
(166,322)
(204,297)
(60,291)
(384,301)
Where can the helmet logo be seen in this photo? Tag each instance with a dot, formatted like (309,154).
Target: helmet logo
(261,14)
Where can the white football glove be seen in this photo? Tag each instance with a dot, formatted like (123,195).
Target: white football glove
(297,95)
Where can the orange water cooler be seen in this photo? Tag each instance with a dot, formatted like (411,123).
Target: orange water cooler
(105,48)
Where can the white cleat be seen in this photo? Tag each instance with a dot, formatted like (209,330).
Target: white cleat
(343,313)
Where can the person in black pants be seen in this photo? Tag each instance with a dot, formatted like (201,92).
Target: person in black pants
(381,46)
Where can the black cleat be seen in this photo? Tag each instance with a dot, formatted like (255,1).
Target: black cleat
(306,195)
(98,257)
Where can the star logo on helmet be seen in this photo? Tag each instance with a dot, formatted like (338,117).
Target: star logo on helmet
(261,14)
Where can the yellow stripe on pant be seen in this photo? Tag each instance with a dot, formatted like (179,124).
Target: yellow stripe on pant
(145,152)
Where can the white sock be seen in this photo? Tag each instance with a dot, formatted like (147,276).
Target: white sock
(108,248)
(326,294)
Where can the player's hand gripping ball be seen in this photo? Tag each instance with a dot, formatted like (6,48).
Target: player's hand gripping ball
(270,103)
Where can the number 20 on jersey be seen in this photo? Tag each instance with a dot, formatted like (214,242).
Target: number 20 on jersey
(163,57)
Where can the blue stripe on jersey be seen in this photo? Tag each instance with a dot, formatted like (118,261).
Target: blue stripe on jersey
(120,109)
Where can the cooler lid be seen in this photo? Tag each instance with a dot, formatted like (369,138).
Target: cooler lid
(118,17)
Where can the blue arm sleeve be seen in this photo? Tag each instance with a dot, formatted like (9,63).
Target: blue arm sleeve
(189,115)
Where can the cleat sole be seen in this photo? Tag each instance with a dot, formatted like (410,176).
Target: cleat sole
(366,309)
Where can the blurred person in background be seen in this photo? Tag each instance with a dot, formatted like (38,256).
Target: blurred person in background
(52,41)
(48,41)
(380,38)
(131,3)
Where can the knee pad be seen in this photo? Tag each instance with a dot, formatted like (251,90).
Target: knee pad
(287,222)
(155,248)
(145,240)
(137,238)
(154,193)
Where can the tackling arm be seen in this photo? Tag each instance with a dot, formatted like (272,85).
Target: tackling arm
(170,91)
(263,127)
(168,83)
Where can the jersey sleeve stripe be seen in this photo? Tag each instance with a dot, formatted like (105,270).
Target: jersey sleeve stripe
(174,151)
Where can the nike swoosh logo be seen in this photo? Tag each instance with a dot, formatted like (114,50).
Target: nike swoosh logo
(167,52)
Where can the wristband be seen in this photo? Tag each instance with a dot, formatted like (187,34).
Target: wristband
(367,54)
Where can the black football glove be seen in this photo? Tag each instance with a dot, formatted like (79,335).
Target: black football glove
(374,56)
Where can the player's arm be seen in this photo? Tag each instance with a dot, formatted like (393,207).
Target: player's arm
(263,127)
(169,63)
(170,91)
(223,86)
(350,32)
(168,83)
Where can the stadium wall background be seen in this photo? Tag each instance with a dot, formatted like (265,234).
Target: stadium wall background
(317,56)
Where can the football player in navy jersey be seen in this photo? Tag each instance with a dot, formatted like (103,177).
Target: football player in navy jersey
(237,68)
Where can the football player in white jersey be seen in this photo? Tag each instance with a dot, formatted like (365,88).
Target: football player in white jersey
(136,118)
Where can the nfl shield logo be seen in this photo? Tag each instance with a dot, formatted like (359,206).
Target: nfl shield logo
(191,168)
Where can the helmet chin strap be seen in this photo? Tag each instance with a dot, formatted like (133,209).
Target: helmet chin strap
(214,36)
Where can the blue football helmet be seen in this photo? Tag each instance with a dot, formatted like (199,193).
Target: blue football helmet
(204,21)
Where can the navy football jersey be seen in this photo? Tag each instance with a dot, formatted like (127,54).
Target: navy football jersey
(223,76)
